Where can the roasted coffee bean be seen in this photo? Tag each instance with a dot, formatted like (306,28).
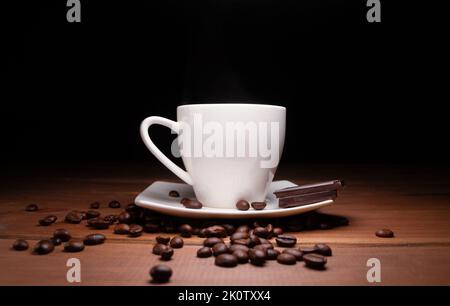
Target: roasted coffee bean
(20,245)
(174,194)
(111,219)
(73,246)
(384,233)
(239,235)
(233,248)
(157,248)
(74,217)
(220,248)
(261,232)
(323,249)
(286,241)
(135,230)
(243,228)
(32,207)
(191,204)
(185,230)
(176,242)
(95,205)
(245,242)
(277,231)
(315,261)
(83,215)
(163,239)
(202,233)
(94,239)
(257,257)
(258,205)
(242,256)
(216,231)
(242,205)
(46,221)
(151,227)
(286,259)
(62,234)
(272,254)
(122,229)
(226,260)
(133,208)
(55,241)
(92,214)
(124,217)
(308,250)
(166,253)
(160,273)
(114,204)
(196,231)
(294,252)
(204,252)
(264,241)
(254,240)
(43,247)
(211,241)
(98,223)
(263,247)
(229,228)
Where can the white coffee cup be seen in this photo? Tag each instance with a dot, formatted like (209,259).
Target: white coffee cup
(217,143)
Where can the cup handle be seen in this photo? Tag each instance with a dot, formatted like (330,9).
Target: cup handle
(174,126)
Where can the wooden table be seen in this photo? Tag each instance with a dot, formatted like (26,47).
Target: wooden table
(412,201)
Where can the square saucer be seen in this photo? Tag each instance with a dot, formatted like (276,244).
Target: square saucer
(156,197)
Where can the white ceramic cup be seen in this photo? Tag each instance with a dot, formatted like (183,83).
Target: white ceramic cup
(217,144)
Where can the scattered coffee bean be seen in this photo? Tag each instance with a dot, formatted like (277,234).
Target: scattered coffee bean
(226,260)
(111,219)
(32,207)
(114,204)
(94,239)
(272,254)
(204,252)
(157,248)
(263,247)
(73,246)
(315,261)
(122,229)
(229,228)
(257,257)
(235,247)
(55,241)
(20,245)
(258,205)
(83,215)
(215,231)
(166,253)
(46,221)
(163,239)
(264,241)
(192,204)
(254,240)
(239,235)
(286,259)
(384,233)
(74,217)
(242,256)
(151,227)
(323,249)
(286,241)
(242,205)
(43,247)
(98,223)
(245,242)
(211,241)
(176,242)
(161,273)
(62,234)
(185,230)
(294,252)
(202,233)
(277,231)
(174,194)
(243,228)
(95,205)
(124,217)
(261,232)
(92,214)
(220,248)
(135,230)
(308,250)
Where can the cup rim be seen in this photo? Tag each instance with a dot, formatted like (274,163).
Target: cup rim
(232,105)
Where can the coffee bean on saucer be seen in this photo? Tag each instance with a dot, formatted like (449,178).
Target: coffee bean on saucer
(166,253)
(323,249)
(258,205)
(294,252)
(124,217)
(56,241)
(211,241)
(62,234)
(242,228)
(216,231)
(226,260)
(176,242)
(272,254)
(220,248)
(286,241)
(74,217)
(114,204)
(204,252)
(43,247)
(277,231)
(94,239)
(98,223)
(111,219)
(135,230)
(46,221)
(20,245)
(94,205)
(73,246)
(286,259)
(315,261)
(185,230)
(122,229)
(192,204)
(92,214)
(32,207)
(257,257)
(261,232)
(235,247)
(160,273)
(157,248)
(242,205)
(174,194)
(384,233)
(242,256)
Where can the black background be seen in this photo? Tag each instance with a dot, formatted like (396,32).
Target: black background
(354,91)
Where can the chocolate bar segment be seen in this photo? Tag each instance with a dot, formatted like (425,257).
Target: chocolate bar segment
(309,188)
(306,199)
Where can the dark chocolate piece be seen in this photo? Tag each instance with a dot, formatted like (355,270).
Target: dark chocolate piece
(306,199)
(309,188)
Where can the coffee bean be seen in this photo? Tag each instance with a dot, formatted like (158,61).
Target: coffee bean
(277,231)
(32,207)
(46,221)
(62,234)
(122,229)
(94,239)
(239,235)
(242,256)
(263,247)
(185,230)
(286,241)
(272,254)
(261,232)
(55,241)
(323,249)
(74,217)
(226,260)
(174,194)
(73,246)
(242,205)
(111,219)
(43,247)
(315,261)
(204,252)
(151,227)
(92,214)
(157,248)
(229,228)
(20,245)
(384,233)
(286,259)
(220,248)
(211,241)
(215,231)
(163,239)
(135,230)
(94,205)
(191,204)
(254,240)
(161,273)
(294,252)
(176,242)
(124,217)
(265,241)
(195,231)
(257,257)
(83,215)
(243,228)
(98,223)
(235,247)
(202,233)
(258,205)
(114,204)
(166,253)
(245,242)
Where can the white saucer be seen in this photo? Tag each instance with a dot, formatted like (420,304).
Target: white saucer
(156,197)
